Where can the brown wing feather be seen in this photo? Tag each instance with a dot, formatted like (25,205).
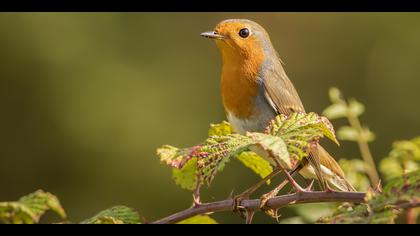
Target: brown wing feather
(280,92)
(329,162)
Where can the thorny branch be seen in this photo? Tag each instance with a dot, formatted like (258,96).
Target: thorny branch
(254,204)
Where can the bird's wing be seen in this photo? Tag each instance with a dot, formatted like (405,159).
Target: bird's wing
(283,97)
(330,162)
(280,92)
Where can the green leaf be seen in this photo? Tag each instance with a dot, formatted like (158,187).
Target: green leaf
(356,173)
(115,215)
(30,208)
(367,135)
(335,111)
(256,163)
(216,151)
(411,165)
(16,213)
(39,202)
(301,131)
(347,133)
(356,108)
(292,220)
(199,219)
(107,220)
(335,95)
(391,167)
(407,149)
(223,128)
(380,208)
(274,146)
(186,177)
(212,154)
(174,156)
(288,139)
(311,212)
(403,158)
(326,128)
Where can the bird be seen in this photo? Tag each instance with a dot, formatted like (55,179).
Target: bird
(255,89)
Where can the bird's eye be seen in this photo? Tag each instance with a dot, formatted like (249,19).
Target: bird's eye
(244,32)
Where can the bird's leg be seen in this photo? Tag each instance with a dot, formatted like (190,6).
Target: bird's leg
(273,193)
(265,197)
(307,189)
(247,193)
(292,182)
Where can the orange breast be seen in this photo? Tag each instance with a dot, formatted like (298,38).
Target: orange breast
(239,85)
(238,93)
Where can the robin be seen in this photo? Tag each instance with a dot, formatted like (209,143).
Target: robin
(255,89)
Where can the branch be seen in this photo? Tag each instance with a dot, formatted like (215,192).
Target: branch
(254,205)
(408,205)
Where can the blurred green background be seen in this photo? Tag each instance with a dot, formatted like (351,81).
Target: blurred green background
(86,98)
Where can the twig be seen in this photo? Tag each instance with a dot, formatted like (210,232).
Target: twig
(408,205)
(196,193)
(254,205)
(364,149)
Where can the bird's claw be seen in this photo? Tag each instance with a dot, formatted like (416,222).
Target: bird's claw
(265,197)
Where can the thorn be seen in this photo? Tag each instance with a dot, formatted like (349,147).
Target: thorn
(378,187)
(293,182)
(231,194)
(309,188)
(328,189)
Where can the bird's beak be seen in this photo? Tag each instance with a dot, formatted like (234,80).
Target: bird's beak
(212,35)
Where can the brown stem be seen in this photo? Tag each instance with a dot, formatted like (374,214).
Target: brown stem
(408,205)
(196,193)
(364,150)
(274,203)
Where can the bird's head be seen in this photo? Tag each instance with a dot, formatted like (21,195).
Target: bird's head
(240,38)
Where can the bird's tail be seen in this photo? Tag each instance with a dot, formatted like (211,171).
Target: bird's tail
(329,170)
(340,184)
